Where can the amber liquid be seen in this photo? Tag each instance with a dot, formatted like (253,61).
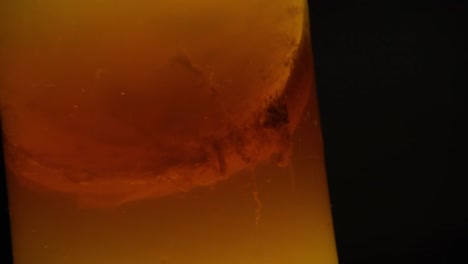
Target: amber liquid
(168,132)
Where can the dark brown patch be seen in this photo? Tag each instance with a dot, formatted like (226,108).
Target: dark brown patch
(222,166)
(276,114)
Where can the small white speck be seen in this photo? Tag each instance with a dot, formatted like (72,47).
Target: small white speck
(122,93)
(75,106)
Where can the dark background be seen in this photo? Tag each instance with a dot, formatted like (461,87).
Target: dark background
(387,74)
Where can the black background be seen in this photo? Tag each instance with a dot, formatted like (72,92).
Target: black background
(386,76)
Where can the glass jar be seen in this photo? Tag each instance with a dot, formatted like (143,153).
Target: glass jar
(169,131)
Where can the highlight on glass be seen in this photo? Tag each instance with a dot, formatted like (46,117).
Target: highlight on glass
(165,131)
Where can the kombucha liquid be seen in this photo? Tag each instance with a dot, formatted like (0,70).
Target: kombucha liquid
(168,131)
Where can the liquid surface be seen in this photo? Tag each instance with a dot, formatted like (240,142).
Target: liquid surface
(163,132)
